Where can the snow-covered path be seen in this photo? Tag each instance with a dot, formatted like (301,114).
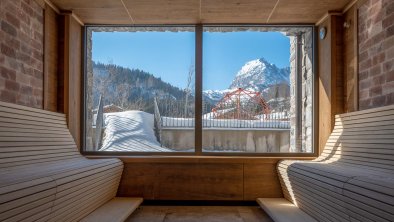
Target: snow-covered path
(130,131)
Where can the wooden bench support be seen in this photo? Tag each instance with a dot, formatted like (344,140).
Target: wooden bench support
(282,210)
(116,210)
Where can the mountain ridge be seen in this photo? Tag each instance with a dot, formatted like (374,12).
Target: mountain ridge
(255,75)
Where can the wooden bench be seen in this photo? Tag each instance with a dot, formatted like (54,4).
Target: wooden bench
(42,174)
(353,179)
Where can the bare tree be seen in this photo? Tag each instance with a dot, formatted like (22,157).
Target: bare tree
(189,87)
(139,104)
(123,94)
(106,80)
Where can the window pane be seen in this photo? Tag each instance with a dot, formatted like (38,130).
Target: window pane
(249,89)
(140,89)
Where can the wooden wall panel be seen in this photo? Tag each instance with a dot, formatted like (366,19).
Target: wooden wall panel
(51,52)
(331,87)
(200,178)
(337,67)
(261,180)
(75,80)
(350,60)
(324,58)
(70,82)
(183,181)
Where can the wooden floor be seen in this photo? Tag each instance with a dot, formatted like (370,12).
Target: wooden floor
(199,213)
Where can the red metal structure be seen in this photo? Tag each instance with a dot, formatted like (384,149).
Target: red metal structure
(241,104)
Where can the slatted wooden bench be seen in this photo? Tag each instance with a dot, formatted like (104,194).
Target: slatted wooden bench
(353,179)
(44,177)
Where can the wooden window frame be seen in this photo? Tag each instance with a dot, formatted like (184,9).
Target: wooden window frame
(198,152)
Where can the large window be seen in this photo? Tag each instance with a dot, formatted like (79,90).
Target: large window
(247,90)
(140,89)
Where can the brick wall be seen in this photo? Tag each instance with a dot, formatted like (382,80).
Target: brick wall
(376,53)
(21,55)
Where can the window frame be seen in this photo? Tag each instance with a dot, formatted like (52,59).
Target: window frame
(199,29)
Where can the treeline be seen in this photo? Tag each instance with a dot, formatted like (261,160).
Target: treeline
(132,88)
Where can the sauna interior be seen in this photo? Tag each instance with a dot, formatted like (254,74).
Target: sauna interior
(197,110)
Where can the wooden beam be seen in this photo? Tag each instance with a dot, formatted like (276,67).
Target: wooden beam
(70,81)
(51,55)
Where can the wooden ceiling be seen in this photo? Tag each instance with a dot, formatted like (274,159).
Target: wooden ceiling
(199,11)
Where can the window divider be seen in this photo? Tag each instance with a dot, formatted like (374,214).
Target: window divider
(198,91)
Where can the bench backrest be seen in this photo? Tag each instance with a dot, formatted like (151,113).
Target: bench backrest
(29,135)
(364,138)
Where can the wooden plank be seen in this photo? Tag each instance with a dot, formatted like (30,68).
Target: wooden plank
(15,207)
(72,188)
(381,153)
(35,114)
(368,141)
(35,139)
(281,210)
(51,53)
(194,11)
(48,135)
(85,190)
(38,161)
(337,132)
(332,144)
(365,116)
(44,143)
(330,77)
(19,161)
(183,181)
(350,37)
(389,122)
(29,109)
(367,120)
(261,180)
(31,213)
(20,131)
(83,206)
(367,128)
(4,126)
(33,153)
(31,122)
(34,118)
(37,148)
(374,110)
(117,209)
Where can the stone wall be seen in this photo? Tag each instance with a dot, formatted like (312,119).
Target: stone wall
(21,52)
(376,53)
(307,92)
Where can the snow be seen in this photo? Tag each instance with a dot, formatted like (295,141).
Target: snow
(130,131)
(133,130)
(259,74)
(216,95)
(251,68)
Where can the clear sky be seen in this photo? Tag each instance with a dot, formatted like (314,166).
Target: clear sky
(169,55)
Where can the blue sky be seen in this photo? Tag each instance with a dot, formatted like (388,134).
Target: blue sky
(169,55)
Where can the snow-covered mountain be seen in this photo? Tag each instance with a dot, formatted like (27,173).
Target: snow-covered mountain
(256,75)
(259,74)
